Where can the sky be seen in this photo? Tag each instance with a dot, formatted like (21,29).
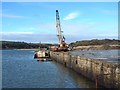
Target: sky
(36,21)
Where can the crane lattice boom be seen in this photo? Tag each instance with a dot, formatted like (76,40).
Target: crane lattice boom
(61,38)
(58,26)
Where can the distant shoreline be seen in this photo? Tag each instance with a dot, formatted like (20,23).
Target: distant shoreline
(89,47)
(20,49)
(98,47)
(26,49)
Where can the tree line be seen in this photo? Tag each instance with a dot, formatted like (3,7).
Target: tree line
(24,45)
(21,45)
(95,42)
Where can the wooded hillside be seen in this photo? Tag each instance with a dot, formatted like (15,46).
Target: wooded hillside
(21,45)
(95,42)
(24,45)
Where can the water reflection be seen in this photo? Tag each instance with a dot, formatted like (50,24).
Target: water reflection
(71,76)
(43,59)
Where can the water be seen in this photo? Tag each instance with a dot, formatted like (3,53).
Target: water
(112,56)
(21,70)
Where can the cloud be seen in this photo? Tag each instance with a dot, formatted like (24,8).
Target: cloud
(78,29)
(108,35)
(48,26)
(11,16)
(16,33)
(73,32)
(52,38)
(30,37)
(109,12)
(71,16)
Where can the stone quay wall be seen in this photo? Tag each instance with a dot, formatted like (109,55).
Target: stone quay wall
(106,74)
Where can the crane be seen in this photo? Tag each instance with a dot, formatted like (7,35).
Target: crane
(62,45)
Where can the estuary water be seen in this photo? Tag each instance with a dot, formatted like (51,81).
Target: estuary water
(21,70)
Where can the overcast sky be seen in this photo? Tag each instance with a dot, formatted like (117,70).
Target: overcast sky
(36,22)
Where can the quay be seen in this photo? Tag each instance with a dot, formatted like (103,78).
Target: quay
(103,73)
